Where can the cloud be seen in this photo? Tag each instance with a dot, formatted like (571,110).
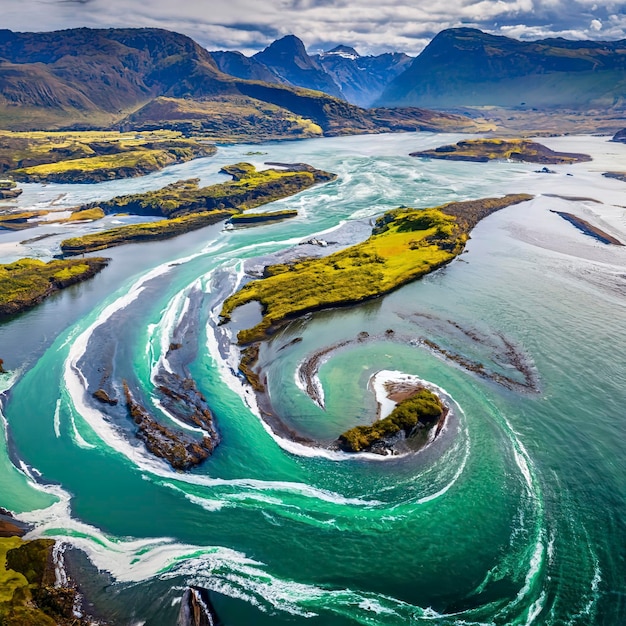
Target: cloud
(371,26)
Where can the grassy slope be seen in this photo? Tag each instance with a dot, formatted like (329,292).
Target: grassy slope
(27,282)
(405,245)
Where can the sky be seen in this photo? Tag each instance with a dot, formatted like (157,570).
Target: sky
(371,26)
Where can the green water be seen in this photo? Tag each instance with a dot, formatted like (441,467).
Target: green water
(515,515)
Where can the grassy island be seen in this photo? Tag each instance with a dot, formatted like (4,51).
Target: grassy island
(189,207)
(483,150)
(405,244)
(28,282)
(93,156)
(249,189)
(28,594)
(259,218)
(420,412)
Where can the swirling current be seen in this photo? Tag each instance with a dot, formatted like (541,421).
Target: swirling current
(513,515)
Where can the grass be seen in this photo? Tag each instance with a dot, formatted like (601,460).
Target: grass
(10,580)
(92,156)
(26,282)
(151,231)
(423,408)
(248,189)
(483,150)
(270,216)
(405,244)
(189,207)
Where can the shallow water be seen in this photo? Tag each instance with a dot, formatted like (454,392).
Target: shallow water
(513,516)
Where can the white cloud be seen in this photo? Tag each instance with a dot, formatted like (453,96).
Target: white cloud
(371,26)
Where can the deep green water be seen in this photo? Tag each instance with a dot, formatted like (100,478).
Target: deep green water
(515,515)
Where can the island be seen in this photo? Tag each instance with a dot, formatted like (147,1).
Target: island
(34,587)
(412,418)
(247,219)
(93,156)
(27,282)
(483,150)
(405,245)
(187,206)
(9,190)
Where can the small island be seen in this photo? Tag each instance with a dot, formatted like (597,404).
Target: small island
(27,282)
(9,190)
(412,419)
(93,156)
(187,206)
(616,175)
(247,219)
(589,229)
(484,150)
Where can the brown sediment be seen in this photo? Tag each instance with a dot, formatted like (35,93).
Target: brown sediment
(589,229)
(572,198)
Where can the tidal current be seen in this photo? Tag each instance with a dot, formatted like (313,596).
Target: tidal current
(514,515)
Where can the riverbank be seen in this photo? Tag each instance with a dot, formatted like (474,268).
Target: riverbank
(27,282)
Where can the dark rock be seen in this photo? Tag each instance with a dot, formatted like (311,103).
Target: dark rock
(102,396)
(2,370)
(180,450)
(620,136)
(196,609)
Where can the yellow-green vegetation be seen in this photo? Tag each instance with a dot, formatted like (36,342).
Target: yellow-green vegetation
(405,244)
(28,596)
(224,118)
(249,189)
(150,231)
(26,282)
(93,156)
(86,215)
(258,218)
(483,150)
(10,580)
(189,207)
(422,410)
(21,220)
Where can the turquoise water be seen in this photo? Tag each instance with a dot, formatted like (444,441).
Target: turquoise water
(515,515)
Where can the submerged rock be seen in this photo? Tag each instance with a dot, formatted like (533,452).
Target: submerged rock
(196,609)
(180,450)
(102,396)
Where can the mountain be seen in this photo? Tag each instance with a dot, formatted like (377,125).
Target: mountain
(237,64)
(466,67)
(153,78)
(288,59)
(362,79)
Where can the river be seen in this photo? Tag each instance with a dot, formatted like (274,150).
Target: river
(515,515)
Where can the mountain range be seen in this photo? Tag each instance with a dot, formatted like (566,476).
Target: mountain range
(464,67)
(150,78)
(340,72)
(153,78)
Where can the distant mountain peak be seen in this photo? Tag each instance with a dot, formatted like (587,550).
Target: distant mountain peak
(342,51)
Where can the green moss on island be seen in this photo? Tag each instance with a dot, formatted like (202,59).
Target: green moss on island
(483,150)
(421,411)
(249,189)
(133,233)
(405,244)
(28,594)
(27,282)
(259,218)
(189,207)
(93,156)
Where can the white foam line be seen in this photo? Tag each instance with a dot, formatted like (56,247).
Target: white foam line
(159,405)
(57,419)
